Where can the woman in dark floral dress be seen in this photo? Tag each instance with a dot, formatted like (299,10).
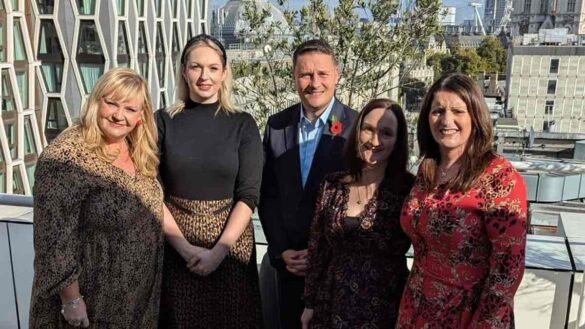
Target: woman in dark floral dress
(357,264)
(466,217)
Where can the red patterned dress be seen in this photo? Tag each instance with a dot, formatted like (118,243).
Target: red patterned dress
(469,251)
(357,270)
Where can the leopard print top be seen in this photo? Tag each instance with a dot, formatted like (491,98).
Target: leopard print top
(95,224)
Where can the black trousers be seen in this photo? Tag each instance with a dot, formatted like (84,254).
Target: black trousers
(290,290)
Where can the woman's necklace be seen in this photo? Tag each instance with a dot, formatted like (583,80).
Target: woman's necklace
(445,173)
(367,197)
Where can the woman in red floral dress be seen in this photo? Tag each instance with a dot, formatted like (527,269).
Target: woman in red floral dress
(465,216)
(357,264)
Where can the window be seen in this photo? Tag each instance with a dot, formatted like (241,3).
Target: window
(29,139)
(10,129)
(140,7)
(7,96)
(90,57)
(174,6)
(142,51)
(123,55)
(46,6)
(158,7)
(548,126)
(86,7)
(2,37)
(549,107)
(30,173)
(202,7)
(19,50)
(163,100)
(571,6)
(203,28)
(552,87)
(176,48)
(189,31)
(527,4)
(160,55)
(22,83)
(56,119)
(51,56)
(554,65)
(17,185)
(188,6)
(544,6)
(120,7)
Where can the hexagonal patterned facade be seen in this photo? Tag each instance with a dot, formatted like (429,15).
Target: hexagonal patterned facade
(53,51)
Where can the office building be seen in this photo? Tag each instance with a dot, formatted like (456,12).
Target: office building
(53,51)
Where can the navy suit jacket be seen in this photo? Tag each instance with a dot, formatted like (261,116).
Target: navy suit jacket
(286,208)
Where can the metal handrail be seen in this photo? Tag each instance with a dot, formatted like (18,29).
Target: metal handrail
(16,200)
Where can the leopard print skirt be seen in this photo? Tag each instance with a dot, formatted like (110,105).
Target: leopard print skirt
(227,298)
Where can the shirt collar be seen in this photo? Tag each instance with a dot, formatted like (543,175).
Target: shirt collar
(323,117)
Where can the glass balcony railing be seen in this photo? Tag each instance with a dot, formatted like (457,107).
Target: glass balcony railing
(550,296)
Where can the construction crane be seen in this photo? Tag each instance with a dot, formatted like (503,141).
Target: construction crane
(476,17)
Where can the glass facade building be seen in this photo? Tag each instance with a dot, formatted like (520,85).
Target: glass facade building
(53,51)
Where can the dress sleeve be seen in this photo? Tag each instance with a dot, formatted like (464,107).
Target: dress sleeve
(250,158)
(318,249)
(505,224)
(60,190)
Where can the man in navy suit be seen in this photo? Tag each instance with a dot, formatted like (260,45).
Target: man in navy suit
(302,144)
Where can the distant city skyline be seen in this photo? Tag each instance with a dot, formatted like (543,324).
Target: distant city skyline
(464,11)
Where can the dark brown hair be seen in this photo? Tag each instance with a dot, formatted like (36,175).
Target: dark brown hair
(478,151)
(396,168)
(314,45)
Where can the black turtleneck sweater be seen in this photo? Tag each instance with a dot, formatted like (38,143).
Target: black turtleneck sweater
(206,155)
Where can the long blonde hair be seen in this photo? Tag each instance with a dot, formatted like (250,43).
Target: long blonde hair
(122,84)
(225,92)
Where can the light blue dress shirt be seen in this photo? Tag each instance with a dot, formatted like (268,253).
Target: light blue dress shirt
(309,136)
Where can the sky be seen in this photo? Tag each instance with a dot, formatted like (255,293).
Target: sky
(464,11)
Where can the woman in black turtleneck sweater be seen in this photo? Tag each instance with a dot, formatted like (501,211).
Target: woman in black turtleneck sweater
(210,168)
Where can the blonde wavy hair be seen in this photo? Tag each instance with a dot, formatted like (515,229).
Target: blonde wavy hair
(121,84)
(225,91)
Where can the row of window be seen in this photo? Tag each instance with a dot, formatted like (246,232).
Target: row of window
(545,6)
(88,7)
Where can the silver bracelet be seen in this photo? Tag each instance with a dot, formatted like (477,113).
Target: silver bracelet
(71,304)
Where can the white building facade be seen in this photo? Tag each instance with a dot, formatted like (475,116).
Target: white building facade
(53,51)
(546,87)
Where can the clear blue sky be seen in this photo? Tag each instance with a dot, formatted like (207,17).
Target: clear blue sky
(463,9)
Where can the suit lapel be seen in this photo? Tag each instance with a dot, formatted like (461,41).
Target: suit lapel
(291,136)
(326,142)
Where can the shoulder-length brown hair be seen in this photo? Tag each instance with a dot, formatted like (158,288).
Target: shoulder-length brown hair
(479,148)
(396,168)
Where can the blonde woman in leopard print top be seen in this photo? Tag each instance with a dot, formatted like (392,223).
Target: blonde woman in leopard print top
(98,215)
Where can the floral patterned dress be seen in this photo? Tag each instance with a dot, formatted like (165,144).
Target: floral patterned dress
(469,251)
(356,272)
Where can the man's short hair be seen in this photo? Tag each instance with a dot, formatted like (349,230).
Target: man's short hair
(314,45)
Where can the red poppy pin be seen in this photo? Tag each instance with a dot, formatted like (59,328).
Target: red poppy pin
(335,126)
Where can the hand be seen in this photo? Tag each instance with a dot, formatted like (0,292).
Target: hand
(76,314)
(306,317)
(190,253)
(207,260)
(296,261)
